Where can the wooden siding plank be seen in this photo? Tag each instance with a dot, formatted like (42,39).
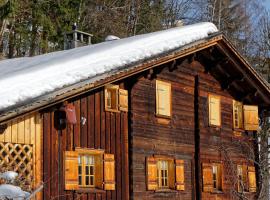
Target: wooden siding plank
(84,126)
(14,131)
(21,133)
(77,127)
(46,154)
(97,120)
(91,121)
(7,133)
(27,130)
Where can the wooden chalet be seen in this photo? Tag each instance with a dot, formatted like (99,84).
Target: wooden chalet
(174,126)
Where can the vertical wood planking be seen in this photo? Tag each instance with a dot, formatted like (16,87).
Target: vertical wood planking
(77,126)
(83,132)
(7,134)
(20,133)
(97,120)
(91,121)
(14,131)
(46,154)
(102,121)
(27,130)
(38,149)
(118,155)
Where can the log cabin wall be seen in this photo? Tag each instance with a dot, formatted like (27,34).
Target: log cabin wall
(21,149)
(151,135)
(220,144)
(102,130)
(177,137)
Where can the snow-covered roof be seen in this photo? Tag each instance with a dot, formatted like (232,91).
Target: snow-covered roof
(27,78)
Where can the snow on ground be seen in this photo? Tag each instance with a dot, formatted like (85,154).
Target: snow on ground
(12,192)
(9,175)
(26,78)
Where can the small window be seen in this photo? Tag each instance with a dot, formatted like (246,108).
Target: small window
(163,98)
(111,97)
(212,177)
(89,168)
(246,178)
(163,172)
(217,177)
(115,99)
(214,110)
(242,178)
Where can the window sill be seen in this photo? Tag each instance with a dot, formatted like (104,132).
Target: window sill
(90,190)
(165,191)
(217,192)
(112,110)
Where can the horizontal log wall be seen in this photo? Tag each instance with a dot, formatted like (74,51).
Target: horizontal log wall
(219,144)
(103,130)
(151,135)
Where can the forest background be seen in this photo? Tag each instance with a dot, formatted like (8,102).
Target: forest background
(34,27)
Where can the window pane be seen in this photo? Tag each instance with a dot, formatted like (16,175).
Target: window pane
(80,180)
(91,180)
(91,170)
(87,180)
(86,170)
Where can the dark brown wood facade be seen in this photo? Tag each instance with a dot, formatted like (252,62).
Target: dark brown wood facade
(187,134)
(103,130)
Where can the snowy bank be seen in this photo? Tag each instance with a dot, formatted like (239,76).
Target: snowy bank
(27,78)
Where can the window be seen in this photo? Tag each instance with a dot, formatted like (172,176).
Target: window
(246,178)
(212,177)
(115,99)
(163,98)
(86,171)
(217,177)
(165,173)
(214,110)
(242,178)
(89,168)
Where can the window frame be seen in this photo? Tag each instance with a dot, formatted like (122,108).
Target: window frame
(167,83)
(159,173)
(109,89)
(240,119)
(82,152)
(219,177)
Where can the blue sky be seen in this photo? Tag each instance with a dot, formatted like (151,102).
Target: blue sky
(267,4)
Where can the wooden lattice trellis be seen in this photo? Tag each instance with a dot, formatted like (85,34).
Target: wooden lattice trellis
(18,157)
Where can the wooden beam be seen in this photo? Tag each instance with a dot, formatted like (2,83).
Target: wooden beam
(247,78)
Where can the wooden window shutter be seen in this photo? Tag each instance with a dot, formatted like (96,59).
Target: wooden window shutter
(214,110)
(71,170)
(180,174)
(109,172)
(171,175)
(237,114)
(251,179)
(151,170)
(251,118)
(163,98)
(123,100)
(207,176)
